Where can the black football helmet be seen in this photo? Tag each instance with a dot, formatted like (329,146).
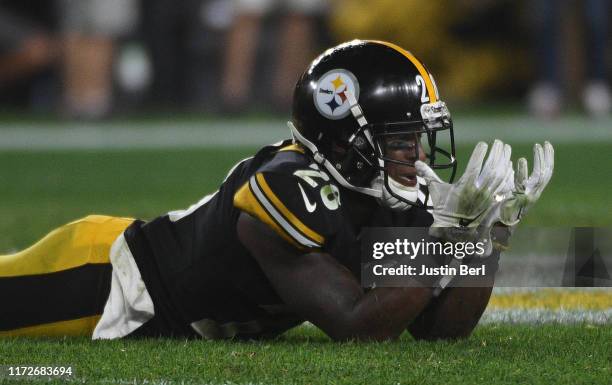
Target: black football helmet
(355,95)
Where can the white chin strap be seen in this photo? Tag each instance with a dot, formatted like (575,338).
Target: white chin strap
(321,160)
(407,193)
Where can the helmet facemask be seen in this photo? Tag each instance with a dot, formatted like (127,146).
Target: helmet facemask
(399,145)
(402,188)
(395,179)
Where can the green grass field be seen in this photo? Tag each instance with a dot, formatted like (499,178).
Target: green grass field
(495,354)
(40,190)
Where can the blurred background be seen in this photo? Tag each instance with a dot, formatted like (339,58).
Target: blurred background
(99,59)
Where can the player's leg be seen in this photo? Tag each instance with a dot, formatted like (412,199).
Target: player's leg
(59,286)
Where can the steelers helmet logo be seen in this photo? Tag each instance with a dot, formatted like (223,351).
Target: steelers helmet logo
(331,95)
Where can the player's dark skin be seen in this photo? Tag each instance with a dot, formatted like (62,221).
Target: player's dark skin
(324,292)
(455,313)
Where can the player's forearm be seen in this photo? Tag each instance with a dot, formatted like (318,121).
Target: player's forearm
(454,314)
(457,310)
(382,313)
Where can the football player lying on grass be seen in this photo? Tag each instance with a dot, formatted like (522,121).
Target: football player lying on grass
(279,242)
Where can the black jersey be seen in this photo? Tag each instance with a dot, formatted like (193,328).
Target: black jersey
(203,281)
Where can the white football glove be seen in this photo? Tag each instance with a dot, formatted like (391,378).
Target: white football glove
(527,189)
(459,208)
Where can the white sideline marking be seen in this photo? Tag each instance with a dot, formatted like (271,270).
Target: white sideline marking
(226,134)
(540,316)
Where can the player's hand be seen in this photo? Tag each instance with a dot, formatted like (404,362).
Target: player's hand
(460,208)
(528,188)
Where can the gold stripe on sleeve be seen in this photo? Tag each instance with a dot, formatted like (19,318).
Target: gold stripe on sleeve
(247,202)
(316,237)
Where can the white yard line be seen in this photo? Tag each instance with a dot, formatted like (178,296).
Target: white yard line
(227,134)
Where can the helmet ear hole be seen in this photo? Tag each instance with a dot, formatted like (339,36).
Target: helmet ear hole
(356,165)
(360,143)
(339,150)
